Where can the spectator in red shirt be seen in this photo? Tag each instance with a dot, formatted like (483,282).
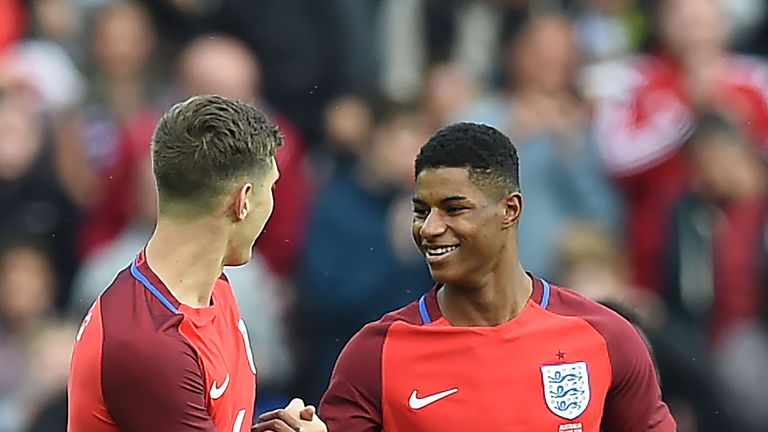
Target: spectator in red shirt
(116,121)
(643,124)
(715,279)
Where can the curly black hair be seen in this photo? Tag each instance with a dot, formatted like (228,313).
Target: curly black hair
(488,155)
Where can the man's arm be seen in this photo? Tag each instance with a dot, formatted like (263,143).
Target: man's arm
(633,403)
(155,386)
(352,402)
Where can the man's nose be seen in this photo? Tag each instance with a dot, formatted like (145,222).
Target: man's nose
(433,226)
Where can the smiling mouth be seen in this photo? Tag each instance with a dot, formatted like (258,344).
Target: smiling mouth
(436,252)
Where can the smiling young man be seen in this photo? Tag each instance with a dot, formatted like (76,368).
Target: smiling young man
(164,347)
(490,347)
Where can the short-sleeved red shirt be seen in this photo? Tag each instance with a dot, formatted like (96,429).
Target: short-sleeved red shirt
(144,362)
(564,364)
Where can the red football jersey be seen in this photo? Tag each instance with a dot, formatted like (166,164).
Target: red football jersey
(565,364)
(144,362)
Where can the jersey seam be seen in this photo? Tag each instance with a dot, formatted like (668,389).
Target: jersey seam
(102,393)
(198,360)
(382,380)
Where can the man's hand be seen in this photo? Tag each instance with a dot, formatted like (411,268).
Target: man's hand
(293,418)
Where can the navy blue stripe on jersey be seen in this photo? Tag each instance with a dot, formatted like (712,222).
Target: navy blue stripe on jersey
(423,310)
(147,284)
(545,294)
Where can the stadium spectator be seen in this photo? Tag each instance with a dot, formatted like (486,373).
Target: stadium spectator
(354,269)
(223,65)
(117,120)
(48,355)
(28,288)
(550,126)
(448,90)
(347,124)
(642,127)
(715,280)
(31,197)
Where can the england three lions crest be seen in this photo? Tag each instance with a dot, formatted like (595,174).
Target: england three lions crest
(566,388)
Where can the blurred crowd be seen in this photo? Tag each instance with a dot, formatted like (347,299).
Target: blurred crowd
(641,125)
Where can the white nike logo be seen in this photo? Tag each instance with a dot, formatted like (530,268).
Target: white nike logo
(216,392)
(416,402)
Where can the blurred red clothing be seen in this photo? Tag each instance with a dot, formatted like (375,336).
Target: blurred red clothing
(115,207)
(641,133)
(285,232)
(13,22)
(737,264)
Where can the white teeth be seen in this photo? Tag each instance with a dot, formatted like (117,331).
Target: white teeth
(441,250)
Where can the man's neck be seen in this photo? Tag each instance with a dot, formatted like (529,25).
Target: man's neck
(498,300)
(188,258)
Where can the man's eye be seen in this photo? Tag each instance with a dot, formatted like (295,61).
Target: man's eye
(454,210)
(420,212)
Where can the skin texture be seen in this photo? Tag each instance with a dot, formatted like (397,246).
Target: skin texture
(225,237)
(484,281)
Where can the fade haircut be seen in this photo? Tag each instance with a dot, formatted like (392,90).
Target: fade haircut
(488,155)
(204,144)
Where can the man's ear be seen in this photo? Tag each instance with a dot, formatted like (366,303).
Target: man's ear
(242,204)
(513,208)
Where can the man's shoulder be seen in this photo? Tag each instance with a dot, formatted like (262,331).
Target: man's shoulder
(409,314)
(610,324)
(627,347)
(370,339)
(132,322)
(117,293)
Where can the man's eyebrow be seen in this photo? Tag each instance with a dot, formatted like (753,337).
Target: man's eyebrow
(445,200)
(452,198)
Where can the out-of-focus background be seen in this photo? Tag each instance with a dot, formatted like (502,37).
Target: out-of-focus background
(642,129)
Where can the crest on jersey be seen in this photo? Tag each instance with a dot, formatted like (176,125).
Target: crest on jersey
(566,388)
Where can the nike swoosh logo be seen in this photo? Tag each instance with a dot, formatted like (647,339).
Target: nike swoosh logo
(416,402)
(216,392)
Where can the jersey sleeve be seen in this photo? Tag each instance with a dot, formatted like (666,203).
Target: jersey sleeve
(352,402)
(155,386)
(633,402)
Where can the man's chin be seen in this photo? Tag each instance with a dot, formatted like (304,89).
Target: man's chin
(237,261)
(443,277)
(453,278)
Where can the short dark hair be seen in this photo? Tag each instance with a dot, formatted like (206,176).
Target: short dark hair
(204,143)
(488,155)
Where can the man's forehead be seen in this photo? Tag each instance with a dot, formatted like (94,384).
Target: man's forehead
(442,174)
(441,183)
